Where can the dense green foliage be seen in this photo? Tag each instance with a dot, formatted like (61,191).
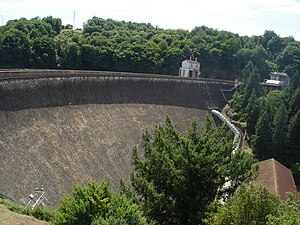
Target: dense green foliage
(273,120)
(96,204)
(250,205)
(140,47)
(255,205)
(181,174)
(288,212)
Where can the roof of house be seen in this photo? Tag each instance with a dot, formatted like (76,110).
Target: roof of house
(279,73)
(274,83)
(192,61)
(276,177)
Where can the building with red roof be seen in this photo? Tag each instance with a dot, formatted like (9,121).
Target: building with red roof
(276,178)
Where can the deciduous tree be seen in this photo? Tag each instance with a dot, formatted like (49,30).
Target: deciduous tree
(250,205)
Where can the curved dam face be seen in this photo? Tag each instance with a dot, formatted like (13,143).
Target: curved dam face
(59,128)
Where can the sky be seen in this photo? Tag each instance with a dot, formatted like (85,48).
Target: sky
(245,17)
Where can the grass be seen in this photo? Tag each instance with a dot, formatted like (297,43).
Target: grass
(8,217)
(39,212)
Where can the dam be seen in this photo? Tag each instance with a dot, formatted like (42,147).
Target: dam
(60,127)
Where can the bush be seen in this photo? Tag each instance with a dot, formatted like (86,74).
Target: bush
(96,204)
(250,205)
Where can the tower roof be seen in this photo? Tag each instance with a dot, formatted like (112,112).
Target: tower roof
(276,177)
(192,61)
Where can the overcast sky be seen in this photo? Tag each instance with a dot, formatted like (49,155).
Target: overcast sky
(245,17)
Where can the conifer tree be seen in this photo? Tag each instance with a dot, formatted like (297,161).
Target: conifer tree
(294,103)
(252,112)
(180,175)
(252,76)
(294,137)
(262,138)
(279,134)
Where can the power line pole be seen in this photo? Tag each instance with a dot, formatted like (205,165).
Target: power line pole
(74,17)
(2,18)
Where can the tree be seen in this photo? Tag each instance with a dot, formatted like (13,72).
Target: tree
(72,57)
(272,43)
(252,113)
(95,204)
(289,58)
(122,211)
(294,145)
(55,23)
(251,205)
(288,213)
(252,77)
(43,52)
(262,138)
(279,134)
(180,174)
(294,103)
(15,48)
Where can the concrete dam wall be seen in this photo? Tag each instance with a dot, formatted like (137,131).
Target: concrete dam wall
(59,128)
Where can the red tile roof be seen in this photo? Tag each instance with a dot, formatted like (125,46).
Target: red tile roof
(276,177)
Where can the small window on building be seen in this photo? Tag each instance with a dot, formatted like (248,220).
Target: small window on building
(190,73)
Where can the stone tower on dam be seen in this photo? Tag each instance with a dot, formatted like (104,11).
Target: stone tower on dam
(59,128)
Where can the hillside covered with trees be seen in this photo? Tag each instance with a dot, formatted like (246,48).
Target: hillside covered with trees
(140,47)
(272,119)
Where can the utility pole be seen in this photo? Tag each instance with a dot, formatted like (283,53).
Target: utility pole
(74,17)
(2,18)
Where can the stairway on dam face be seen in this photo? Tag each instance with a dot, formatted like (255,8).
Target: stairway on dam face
(59,131)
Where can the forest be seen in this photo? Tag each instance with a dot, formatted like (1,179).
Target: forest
(140,47)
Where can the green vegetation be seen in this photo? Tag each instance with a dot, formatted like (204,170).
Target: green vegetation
(38,212)
(288,212)
(140,47)
(180,175)
(96,204)
(174,183)
(273,120)
(255,205)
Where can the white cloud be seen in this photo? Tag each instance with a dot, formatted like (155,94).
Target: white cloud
(276,6)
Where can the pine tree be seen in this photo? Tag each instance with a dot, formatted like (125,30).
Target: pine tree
(294,103)
(294,137)
(279,134)
(252,76)
(262,138)
(180,175)
(252,112)
(294,145)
